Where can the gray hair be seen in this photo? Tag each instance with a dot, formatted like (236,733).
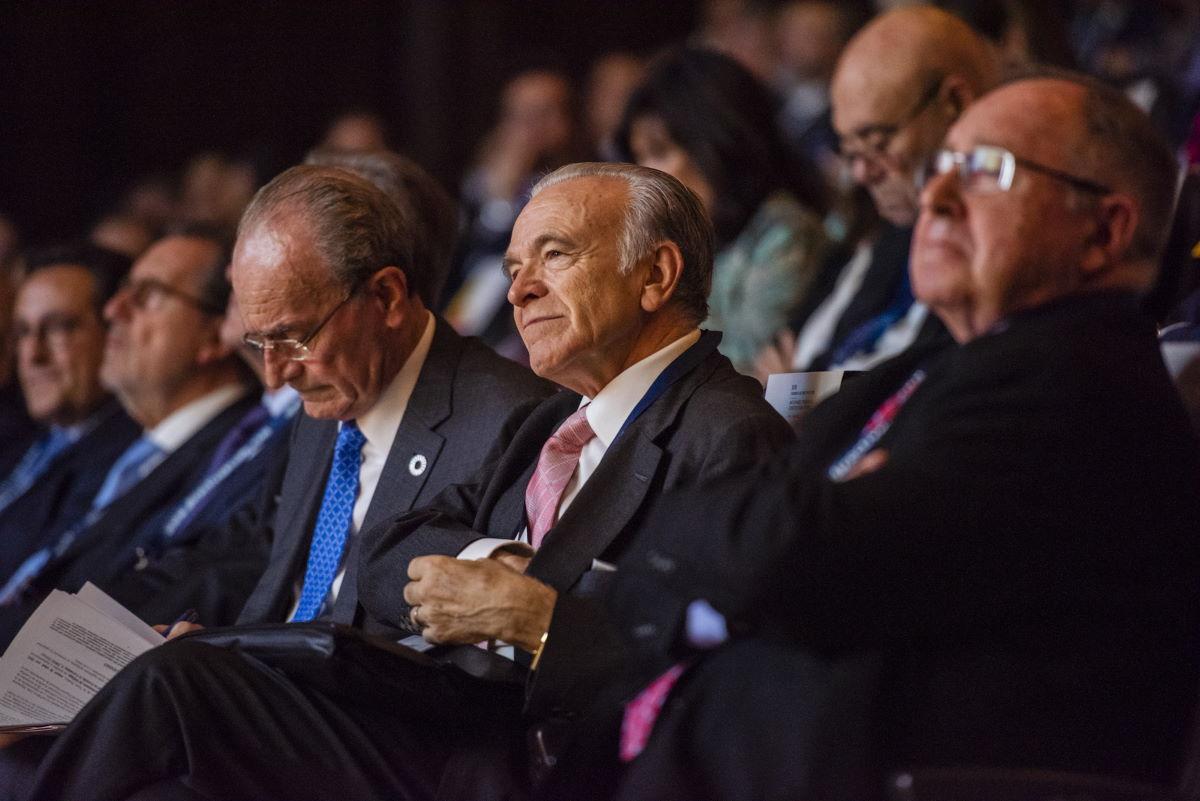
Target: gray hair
(1123,148)
(660,209)
(420,197)
(356,227)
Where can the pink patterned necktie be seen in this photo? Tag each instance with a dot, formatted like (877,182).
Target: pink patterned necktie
(556,465)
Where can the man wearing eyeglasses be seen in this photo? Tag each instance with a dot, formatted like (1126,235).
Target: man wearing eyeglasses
(58,336)
(164,361)
(1003,532)
(900,83)
(395,404)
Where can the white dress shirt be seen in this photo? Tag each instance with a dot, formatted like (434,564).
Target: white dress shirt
(378,427)
(183,423)
(606,413)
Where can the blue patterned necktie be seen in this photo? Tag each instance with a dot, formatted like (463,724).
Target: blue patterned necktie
(128,470)
(33,464)
(333,522)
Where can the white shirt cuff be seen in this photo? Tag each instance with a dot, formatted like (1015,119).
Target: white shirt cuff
(484,547)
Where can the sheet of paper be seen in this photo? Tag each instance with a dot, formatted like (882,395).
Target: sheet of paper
(793,394)
(62,656)
(96,598)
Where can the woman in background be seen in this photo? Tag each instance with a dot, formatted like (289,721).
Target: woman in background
(704,119)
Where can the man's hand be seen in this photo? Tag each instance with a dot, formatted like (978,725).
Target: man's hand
(776,356)
(177,630)
(457,601)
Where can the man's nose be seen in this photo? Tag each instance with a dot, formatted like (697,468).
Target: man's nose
(526,286)
(278,370)
(118,305)
(32,348)
(865,169)
(941,194)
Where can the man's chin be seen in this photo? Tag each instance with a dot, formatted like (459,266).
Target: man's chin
(327,408)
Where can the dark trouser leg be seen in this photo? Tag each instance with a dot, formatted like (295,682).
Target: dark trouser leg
(762,721)
(19,763)
(227,726)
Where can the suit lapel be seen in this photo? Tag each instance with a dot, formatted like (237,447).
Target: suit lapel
(179,470)
(618,488)
(418,445)
(414,451)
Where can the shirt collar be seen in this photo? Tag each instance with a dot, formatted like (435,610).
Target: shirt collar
(607,412)
(179,426)
(380,422)
(282,401)
(74,433)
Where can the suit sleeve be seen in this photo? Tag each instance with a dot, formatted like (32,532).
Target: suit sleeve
(447,525)
(584,648)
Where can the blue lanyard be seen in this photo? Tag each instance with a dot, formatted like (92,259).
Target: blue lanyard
(681,366)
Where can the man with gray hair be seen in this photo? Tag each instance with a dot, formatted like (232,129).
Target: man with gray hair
(609,268)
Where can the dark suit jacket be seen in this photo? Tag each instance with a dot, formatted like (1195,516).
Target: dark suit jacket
(17,431)
(1026,560)
(94,549)
(65,491)
(710,422)
(467,399)
(213,563)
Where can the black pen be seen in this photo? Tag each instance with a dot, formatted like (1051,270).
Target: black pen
(187,617)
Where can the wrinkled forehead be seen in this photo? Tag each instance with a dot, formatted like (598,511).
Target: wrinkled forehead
(1039,119)
(592,206)
(282,257)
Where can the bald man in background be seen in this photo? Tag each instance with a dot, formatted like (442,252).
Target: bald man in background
(900,84)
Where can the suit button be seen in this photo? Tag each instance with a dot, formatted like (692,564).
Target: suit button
(660,562)
(645,631)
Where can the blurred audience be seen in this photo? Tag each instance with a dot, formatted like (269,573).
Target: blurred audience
(214,190)
(59,335)
(165,362)
(611,79)
(705,120)
(123,233)
(355,132)
(811,35)
(742,30)
(536,132)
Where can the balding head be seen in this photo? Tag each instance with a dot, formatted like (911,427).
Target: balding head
(899,85)
(1067,151)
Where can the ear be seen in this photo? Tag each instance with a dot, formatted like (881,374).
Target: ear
(1117,218)
(388,287)
(955,95)
(212,349)
(662,276)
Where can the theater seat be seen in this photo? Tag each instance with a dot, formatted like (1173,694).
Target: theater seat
(991,784)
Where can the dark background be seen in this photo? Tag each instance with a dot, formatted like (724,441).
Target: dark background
(94,95)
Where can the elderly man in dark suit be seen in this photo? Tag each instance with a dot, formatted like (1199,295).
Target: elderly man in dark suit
(58,335)
(1008,525)
(213,569)
(610,266)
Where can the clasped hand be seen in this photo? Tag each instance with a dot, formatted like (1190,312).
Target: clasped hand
(456,601)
